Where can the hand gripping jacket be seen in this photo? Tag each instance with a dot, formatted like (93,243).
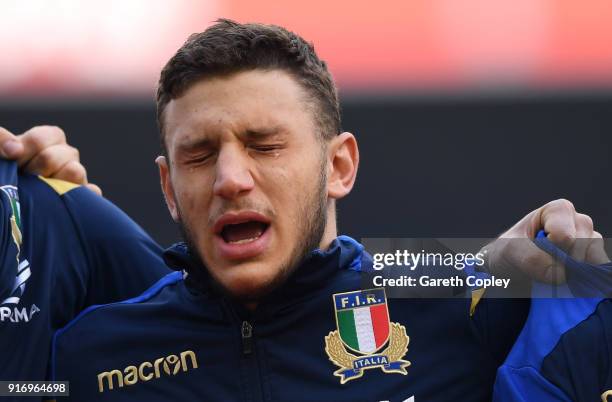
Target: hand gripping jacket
(62,248)
(564,352)
(319,337)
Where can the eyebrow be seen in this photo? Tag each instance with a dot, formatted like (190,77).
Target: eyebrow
(252,134)
(197,143)
(261,132)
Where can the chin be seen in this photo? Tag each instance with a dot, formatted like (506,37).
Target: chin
(250,280)
(247,285)
(250,292)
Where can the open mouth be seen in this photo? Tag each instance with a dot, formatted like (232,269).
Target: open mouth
(242,235)
(243,232)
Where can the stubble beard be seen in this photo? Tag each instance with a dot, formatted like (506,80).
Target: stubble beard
(312,217)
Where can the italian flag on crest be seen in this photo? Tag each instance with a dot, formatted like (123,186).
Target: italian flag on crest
(363,319)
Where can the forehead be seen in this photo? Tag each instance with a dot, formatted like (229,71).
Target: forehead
(238,102)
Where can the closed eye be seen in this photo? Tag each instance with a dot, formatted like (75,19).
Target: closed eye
(199,159)
(265,148)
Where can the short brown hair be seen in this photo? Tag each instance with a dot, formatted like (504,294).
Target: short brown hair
(228,47)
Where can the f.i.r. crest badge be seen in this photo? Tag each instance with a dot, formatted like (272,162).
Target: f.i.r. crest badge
(362,319)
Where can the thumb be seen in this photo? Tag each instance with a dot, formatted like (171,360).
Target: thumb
(596,250)
(96,189)
(10,145)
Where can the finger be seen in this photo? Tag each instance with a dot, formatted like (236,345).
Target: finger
(521,254)
(596,251)
(36,139)
(73,172)
(526,227)
(584,234)
(558,220)
(10,145)
(52,159)
(94,188)
(536,263)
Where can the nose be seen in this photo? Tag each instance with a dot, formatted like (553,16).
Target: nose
(233,176)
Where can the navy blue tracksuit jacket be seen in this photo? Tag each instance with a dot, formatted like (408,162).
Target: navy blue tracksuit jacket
(564,352)
(183,341)
(62,248)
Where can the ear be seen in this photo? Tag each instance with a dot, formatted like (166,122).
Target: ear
(343,163)
(166,186)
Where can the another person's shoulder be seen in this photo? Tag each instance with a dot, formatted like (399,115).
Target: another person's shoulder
(30,210)
(579,364)
(562,354)
(90,213)
(55,201)
(83,246)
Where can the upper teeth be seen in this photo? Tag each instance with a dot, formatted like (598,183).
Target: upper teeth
(244,240)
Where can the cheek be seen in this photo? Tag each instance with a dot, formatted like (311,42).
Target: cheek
(279,185)
(289,189)
(192,196)
(188,201)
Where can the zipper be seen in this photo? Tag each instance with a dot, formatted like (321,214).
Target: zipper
(252,363)
(251,371)
(247,338)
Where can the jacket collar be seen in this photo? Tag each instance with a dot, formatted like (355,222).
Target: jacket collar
(344,253)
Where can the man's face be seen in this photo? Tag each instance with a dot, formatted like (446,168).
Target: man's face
(247,177)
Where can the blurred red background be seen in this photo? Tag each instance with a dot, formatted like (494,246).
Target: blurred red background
(117,47)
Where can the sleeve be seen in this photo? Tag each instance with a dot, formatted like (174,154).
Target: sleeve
(124,260)
(558,354)
(525,384)
(562,353)
(10,233)
(500,321)
(526,374)
(579,364)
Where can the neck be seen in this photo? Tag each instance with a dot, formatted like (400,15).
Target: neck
(331,229)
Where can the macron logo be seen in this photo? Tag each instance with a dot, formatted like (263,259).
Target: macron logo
(147,371)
